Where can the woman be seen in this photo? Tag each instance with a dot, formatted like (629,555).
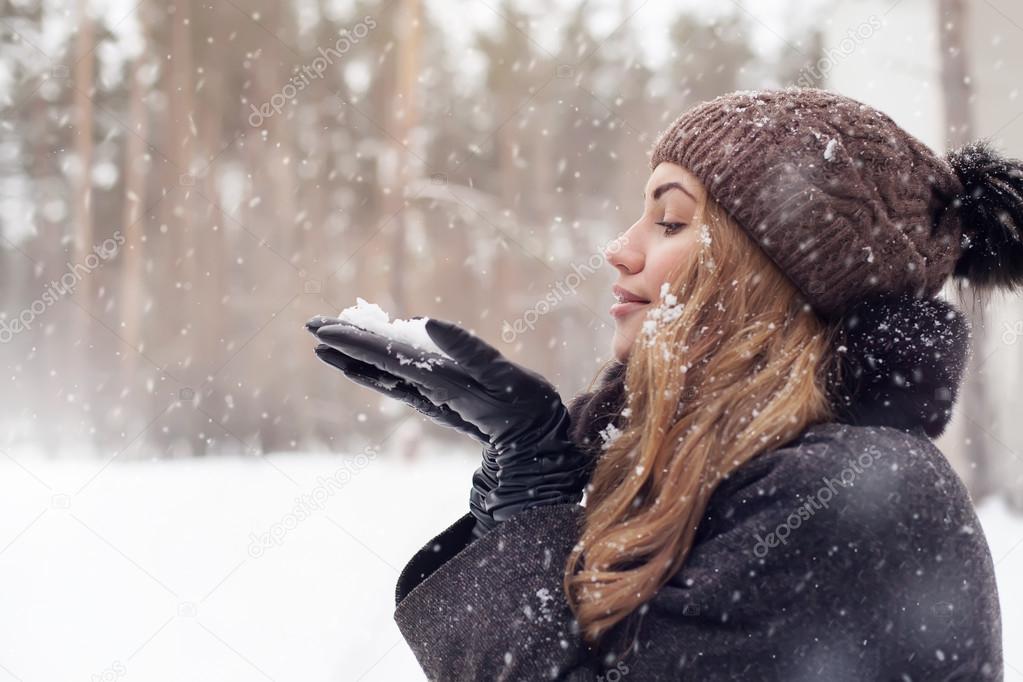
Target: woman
(762,496)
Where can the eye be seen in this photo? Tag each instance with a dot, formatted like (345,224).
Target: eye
(672,228)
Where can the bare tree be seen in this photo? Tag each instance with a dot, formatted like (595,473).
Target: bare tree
(957,99)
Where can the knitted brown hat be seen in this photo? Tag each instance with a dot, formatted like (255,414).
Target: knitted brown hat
(846,202)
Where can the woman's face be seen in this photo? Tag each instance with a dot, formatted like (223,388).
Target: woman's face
(645,255)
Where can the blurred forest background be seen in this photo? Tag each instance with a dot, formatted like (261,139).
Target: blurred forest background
(184,183)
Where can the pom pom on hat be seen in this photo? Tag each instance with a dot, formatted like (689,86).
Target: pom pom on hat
(991,213)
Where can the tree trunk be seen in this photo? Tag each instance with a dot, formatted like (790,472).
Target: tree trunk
(78,357)
(132,282)
(957,100)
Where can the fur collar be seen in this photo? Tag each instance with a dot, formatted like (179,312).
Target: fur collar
(903,360)
(899,362)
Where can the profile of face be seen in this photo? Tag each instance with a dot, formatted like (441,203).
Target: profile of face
(656,243)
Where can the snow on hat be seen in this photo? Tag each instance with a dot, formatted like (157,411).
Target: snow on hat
(847,203)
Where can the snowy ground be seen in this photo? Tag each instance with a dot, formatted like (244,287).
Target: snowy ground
(150,571)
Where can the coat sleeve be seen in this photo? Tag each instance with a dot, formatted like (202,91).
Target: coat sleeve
(494,608)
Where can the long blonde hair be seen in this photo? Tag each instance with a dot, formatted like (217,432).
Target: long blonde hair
(737,366)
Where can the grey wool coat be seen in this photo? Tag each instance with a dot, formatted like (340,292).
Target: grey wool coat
(850,553)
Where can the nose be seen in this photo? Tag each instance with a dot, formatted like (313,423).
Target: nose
(623,253)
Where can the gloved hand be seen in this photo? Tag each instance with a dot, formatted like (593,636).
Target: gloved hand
(390,385)
(484,478)
(530,460)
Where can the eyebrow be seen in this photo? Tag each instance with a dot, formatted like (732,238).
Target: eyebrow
(669,185)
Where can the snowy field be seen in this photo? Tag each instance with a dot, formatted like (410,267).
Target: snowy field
(223,569)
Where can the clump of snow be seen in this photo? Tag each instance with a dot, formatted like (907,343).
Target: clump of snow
(706,241)
(829,151)
(373,318)
(667,309)
(705,235)
(546,600)
(609,434)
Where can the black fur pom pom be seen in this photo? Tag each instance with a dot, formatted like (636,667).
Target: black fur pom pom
(991,211)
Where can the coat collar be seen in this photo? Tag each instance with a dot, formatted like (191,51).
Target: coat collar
(901,362)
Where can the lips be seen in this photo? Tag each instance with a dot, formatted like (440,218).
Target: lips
(625,296)
(628,302)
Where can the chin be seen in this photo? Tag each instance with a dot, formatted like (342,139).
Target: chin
(620,348)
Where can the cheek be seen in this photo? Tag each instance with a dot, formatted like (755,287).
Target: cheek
(668,254)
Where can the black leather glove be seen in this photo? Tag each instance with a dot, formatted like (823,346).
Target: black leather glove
(484,478)
(390,385)
(531,459)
